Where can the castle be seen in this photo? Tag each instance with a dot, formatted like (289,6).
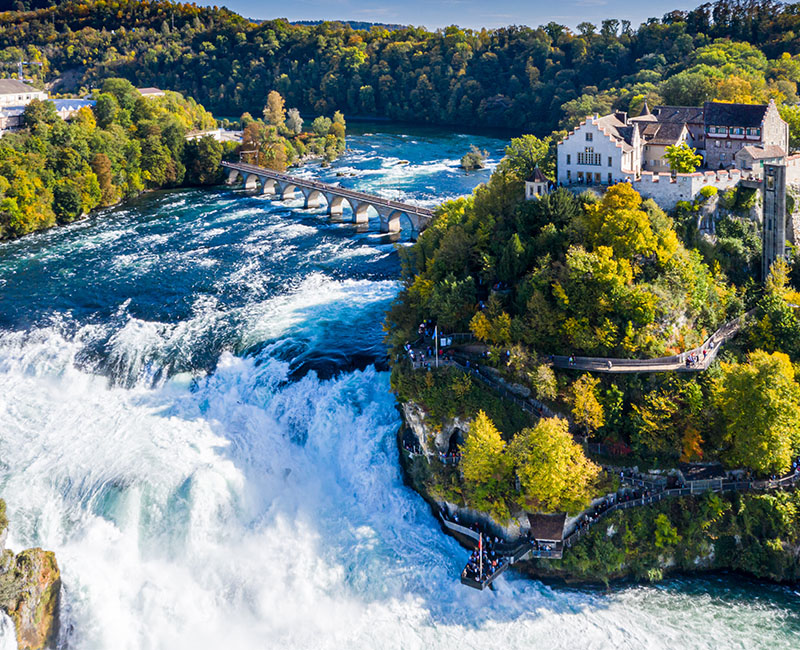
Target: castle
(735,141)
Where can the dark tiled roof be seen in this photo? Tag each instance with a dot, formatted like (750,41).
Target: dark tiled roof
(617,129)
(746,115)
(663,132)
(760,153)
(549,528)
(680,114)
(537,177)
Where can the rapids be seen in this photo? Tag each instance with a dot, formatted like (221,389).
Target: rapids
(195,416)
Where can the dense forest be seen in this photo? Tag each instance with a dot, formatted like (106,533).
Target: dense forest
(611,276)
(55,171)
(524,78)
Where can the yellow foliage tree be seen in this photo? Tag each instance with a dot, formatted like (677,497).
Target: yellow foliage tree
(554,473)
(759,402)
(586,409)
(619,222)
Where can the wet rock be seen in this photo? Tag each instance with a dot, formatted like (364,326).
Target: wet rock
(30,586)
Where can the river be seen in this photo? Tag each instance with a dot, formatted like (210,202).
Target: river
(195,416)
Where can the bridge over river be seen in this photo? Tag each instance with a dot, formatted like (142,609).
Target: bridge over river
(286,186)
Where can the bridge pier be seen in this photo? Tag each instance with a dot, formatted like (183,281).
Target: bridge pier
(233,174)
(313,199)
(360,213)
(335,205)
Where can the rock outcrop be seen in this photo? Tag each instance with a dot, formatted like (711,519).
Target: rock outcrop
(30,585)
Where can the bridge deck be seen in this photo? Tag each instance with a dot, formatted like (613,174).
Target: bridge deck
(372,199)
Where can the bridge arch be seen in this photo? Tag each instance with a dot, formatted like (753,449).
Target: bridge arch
(268,185)
(234,176)
(392,222)
(250,182)
(314,198)
(286,190)
(360,210)
(335,204)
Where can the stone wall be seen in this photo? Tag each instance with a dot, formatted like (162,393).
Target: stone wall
(667,190)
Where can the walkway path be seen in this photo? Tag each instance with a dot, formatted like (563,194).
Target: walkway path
(512,553)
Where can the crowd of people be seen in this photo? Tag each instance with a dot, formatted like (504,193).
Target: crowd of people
(484,563)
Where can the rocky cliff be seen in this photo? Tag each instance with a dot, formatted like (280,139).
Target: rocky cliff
(30,584)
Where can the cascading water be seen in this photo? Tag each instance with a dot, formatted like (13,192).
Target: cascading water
(194,415)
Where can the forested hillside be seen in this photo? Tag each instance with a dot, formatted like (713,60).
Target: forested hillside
(524,78)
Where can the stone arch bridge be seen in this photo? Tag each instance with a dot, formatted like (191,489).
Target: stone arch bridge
(286,187)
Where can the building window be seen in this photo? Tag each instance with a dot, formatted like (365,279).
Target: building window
(569,176)
(716,144)
(610,163)
(722,156)
(588,157)
(609,178)
(580,177)
(568,160)
(727,144)
(597,178)
(589,136)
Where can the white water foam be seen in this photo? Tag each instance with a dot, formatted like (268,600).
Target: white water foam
(252,513)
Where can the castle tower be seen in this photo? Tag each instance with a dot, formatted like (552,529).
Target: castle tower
(773,223)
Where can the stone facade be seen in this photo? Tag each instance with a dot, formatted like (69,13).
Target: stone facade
(730,127)
(667,190)
(602,150)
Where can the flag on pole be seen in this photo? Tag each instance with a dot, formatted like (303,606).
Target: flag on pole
(480,556)
(436,343)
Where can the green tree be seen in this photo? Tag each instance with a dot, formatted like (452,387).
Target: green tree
(759,406)
(203,161)
(66,201)
(528,152)
(554,473)
(38,113)
(682,158)
(321,125)
(485,467)
(105,109)
(473,159)
(791,115)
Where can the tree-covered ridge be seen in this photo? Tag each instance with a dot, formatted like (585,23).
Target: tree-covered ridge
(564,274)
(609,277)
(531,79)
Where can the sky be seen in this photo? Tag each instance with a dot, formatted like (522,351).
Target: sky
(466,13)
